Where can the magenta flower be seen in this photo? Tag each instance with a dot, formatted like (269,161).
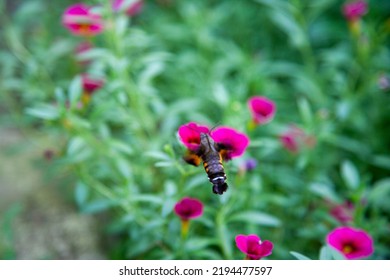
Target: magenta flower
(190,135)
(80,20)
(355,10)
(343,212)
(189,208)
(352,243)
(253,247)
(232,142)
(262,109)
(295,138)
(132,9)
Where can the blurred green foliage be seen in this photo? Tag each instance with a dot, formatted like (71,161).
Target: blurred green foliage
(182,61)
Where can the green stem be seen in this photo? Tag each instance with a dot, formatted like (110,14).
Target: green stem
(221,233)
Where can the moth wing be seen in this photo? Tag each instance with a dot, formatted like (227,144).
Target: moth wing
(192,158)
(223,151)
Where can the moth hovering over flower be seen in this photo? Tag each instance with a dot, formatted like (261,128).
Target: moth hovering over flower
(212,147)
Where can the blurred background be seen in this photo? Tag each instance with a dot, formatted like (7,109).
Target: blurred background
(90,162)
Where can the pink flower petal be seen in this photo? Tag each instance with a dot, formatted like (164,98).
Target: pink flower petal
(352,243)
(79,20)
(262,109)
(253,247)
(355,10)
(234,142)
(190,134)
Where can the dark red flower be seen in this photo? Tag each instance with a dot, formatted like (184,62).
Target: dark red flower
(253,247)
(91,84)
(189,208)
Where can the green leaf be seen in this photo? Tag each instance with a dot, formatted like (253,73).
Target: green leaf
(147,198)
(325,253)
(276,4)
(60,95)
(81,193)
(350,174)
(305,111)
(380,194)
(123,167)
(299,256)
(381,161)
(78,150)
(336,255)
(287,23)
(120,146)
(220,94)
(97,206)
(75,90)
(258,218)
(324,191)
(44,111)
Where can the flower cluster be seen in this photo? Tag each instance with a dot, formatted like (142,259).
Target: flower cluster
(251,245)
(232,141)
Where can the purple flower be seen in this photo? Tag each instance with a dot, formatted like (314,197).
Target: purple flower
(132,8)
(352,243)
(384,82)
(355,10)
(253,247)
(189,208)
(262,109)
(80,20)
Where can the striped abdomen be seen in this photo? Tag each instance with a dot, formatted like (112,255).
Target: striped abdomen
(212,163)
